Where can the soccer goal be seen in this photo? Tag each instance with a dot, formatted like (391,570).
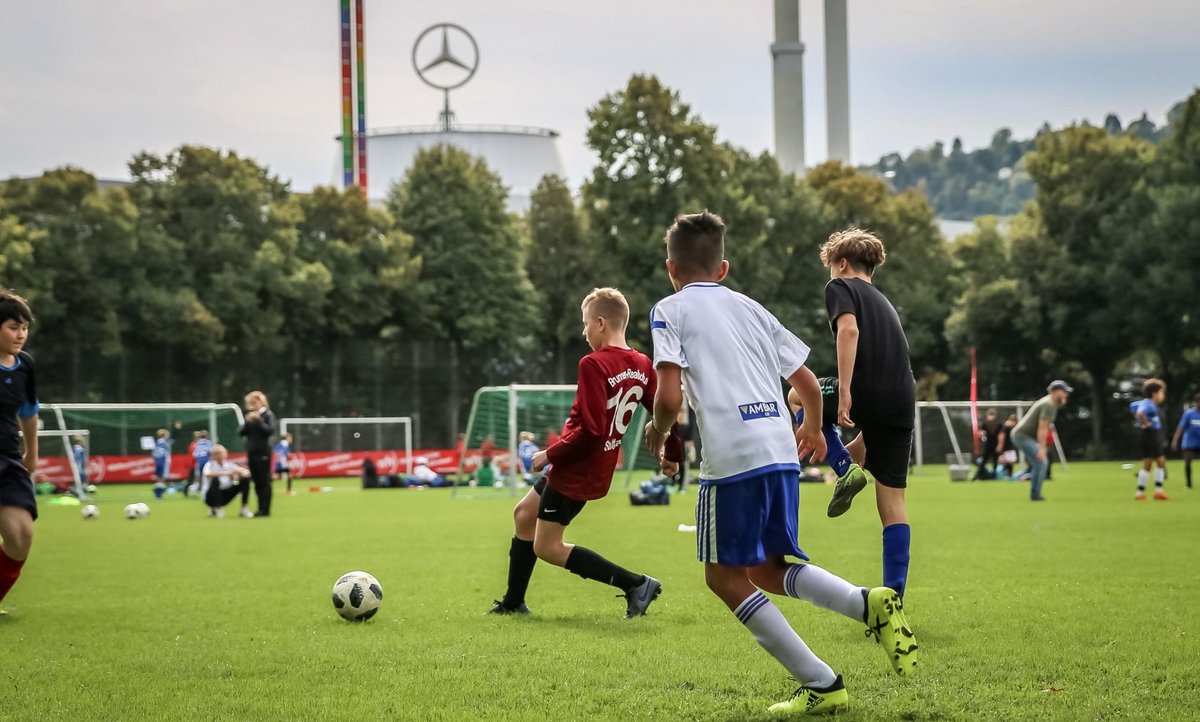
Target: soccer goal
(57,461)
(119,429)
(500,413)
(331,446)
(943,429)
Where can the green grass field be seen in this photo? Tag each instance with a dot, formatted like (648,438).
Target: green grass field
(1078,608)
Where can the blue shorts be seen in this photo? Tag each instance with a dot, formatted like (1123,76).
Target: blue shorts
(160,468)
(741,524)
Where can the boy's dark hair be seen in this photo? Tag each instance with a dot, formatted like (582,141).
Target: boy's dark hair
(863,250)
(1153,386)
(1196,400)
(696,243)
(14,308)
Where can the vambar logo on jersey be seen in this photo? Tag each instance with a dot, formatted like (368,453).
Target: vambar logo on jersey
(612,444)
(759,410)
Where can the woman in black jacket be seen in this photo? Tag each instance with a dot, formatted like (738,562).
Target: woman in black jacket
(258,430)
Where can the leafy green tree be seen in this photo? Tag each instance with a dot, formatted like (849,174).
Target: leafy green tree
(473,291)
(657,159)
(1166,299)
(1087,182)
(561,265)
(216,221)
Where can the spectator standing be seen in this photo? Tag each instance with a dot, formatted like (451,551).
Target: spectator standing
(258,430)
(1033,432)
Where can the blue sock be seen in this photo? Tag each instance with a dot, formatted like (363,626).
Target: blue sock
(835,455)
(896,539)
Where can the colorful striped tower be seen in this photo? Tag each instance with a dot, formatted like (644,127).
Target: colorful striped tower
(360,70)
(347,101)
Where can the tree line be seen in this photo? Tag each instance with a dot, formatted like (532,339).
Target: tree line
(206,276)
(993,180)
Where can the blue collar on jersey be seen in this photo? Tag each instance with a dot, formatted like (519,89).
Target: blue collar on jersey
(702,284)
(16,364)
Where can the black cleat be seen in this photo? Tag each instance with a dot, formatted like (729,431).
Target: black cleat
(638,599)
(499,607)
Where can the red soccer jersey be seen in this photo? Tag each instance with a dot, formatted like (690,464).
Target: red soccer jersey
(612,383)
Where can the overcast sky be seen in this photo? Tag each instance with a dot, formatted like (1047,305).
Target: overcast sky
(89,83)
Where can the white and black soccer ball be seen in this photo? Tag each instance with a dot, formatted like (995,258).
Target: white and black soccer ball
(144,508)
(357,596)
(91,511)
(136,511)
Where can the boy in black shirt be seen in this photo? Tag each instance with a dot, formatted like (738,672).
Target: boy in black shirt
(18,415)
(875,383)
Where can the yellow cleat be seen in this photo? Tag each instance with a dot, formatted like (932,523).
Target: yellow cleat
(815,700)
(886,622)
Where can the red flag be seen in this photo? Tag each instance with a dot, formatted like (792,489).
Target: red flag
(974,404)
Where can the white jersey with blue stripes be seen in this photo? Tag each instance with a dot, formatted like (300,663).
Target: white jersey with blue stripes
(733,353)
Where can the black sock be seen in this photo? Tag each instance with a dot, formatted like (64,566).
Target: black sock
(520,568)
(590,565)
(1187,471)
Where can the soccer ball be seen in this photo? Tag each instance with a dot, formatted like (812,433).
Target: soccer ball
(144,508)
(136,511)
(91,511)
(357,596)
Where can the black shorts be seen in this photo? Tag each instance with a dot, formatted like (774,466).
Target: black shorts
(889,445)
(555,507)
(16,487)
(1153,443)
(889,449)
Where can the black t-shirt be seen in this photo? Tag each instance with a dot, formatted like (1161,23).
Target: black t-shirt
(18,399)
(258,434)
(883,390)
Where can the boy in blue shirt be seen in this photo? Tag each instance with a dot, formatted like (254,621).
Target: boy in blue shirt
(162,461)
(1148,420)
(18,417)
(201,453)
(283,464)
(1188,432)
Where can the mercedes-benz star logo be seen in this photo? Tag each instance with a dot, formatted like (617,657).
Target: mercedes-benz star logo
(440,66)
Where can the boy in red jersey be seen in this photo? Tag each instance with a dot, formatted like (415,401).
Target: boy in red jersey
(613,380)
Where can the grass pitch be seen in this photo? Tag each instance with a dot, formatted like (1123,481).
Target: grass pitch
(1078,608)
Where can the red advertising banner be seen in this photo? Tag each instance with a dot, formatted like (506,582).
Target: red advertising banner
(100,469)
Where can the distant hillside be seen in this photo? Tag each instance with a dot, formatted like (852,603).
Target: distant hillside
(962,185)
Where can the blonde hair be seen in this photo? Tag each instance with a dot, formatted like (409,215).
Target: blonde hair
(861,249)
(609,304)
(257,396)
(526,436)
(219,447)
(162,433)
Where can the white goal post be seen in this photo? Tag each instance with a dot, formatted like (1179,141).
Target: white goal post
(947,424)
(403,421)
(66,435)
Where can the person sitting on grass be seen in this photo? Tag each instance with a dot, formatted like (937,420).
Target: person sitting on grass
(219,485)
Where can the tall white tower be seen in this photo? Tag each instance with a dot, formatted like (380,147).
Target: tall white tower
(837,80)
(787,53)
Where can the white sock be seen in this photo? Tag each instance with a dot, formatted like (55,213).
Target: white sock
(1160,475)
(813,584)
(1142,477)
(774,634)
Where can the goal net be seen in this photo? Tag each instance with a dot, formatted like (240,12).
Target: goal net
(943,431)
(63,461)
(337,446)
(499,415)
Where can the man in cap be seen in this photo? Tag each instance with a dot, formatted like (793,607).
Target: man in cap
(1033,430)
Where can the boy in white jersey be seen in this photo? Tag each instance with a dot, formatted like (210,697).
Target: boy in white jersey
(728,353)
